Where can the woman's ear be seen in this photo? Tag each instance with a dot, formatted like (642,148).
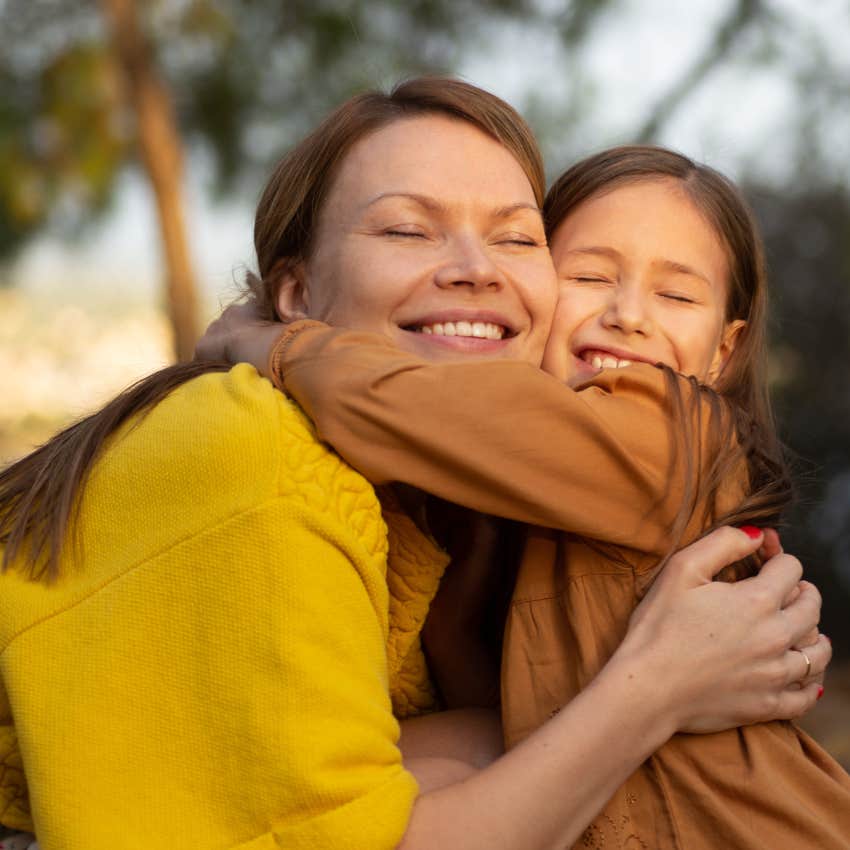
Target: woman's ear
(728,341)
(293,298)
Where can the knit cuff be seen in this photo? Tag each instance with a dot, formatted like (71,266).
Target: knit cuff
(277,354)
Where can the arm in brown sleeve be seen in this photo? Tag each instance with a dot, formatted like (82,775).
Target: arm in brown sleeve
(501,437)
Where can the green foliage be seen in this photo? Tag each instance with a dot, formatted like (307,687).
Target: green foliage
(247,77)
(62,138)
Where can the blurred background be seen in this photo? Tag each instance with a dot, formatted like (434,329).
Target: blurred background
(135,137)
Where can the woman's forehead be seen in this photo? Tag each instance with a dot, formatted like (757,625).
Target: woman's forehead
(434,156)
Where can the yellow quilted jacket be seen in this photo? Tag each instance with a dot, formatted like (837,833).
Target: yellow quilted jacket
(225,669)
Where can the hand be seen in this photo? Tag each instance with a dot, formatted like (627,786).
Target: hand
(723,655)
(240,335)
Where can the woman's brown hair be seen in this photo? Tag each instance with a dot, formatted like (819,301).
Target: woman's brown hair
(739,399)
(40,494)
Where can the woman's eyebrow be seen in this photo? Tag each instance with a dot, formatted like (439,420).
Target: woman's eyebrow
(510,209)
(434,205)
(426,201)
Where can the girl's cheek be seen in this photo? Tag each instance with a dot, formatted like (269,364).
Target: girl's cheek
(556,356)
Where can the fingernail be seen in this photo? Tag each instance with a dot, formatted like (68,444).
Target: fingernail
(751,531)
(820,691)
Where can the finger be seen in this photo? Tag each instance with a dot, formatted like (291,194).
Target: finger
(792,595)
(805,665)
(776,579)
(809,639)
(820,654)
(698,563)
(772,545)
(795,702)
(803,614)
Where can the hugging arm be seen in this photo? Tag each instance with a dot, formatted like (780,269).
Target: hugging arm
(501,437)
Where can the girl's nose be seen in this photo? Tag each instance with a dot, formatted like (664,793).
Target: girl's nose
(627,312)
(469,265)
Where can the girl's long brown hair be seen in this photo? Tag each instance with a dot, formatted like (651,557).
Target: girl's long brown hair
(40,494)
(738,406)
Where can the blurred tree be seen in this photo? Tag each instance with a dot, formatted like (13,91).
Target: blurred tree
(162,154)
(238,79)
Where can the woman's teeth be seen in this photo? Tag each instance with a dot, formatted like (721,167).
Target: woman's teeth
(605,361)
(481,330)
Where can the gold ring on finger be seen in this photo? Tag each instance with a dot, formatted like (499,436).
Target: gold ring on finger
(808,664)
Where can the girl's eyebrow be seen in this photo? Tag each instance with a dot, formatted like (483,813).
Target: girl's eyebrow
(681,268)
(663,264)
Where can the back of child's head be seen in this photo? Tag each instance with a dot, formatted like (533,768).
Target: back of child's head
(743,381)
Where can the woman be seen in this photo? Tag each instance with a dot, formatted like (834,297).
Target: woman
(219,670)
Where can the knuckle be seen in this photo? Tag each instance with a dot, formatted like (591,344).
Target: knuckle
(761,597)
(771,703)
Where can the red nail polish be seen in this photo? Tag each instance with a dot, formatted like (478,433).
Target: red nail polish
(820,691)
(751,531)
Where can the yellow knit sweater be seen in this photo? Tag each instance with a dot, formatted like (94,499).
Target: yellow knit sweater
(221,670)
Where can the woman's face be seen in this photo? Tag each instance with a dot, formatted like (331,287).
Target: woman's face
(643,277)
(431,235)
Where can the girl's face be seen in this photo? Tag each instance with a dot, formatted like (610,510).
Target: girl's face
(432,236)
(643,277)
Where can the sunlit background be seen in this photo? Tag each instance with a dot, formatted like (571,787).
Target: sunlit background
(134,138)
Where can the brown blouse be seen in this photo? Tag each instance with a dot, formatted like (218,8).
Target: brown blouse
(597,469)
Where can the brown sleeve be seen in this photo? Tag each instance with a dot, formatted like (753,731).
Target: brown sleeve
(501,437)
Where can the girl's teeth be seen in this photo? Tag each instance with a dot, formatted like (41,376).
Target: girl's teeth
(608,362)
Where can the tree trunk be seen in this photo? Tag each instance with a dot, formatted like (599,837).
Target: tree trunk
(161,153)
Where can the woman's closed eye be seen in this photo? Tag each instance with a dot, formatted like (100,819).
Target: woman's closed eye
(518,239)
(406,231)
(588,279)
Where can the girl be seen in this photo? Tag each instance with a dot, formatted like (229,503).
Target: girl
(659,262)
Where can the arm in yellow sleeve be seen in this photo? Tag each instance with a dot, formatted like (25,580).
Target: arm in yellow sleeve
(498,436)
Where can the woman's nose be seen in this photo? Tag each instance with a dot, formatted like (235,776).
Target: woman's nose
(469,264)
(627,312)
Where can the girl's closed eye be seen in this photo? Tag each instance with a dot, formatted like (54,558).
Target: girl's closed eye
(679,296)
